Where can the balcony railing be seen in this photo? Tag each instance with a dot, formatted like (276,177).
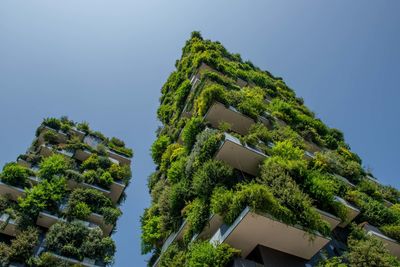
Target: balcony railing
(219,113)
(251,229)
(392,245)
(241,157)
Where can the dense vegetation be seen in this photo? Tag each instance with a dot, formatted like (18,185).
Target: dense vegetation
(308,166)
(75,190)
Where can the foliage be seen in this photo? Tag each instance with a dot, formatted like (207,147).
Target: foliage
(119,146)
(14,174)
(196,214)
(120,172)
(209,175)
(208,95)
(151,229)
(47,195)
(173,256)
(76,241)
(20,249)
(158,148)
(192,128)
(81,199)
(392,231)
(206,254)
(50,137)
(55,165)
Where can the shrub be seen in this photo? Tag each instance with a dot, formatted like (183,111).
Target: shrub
(252,102)
(176,171)
(75,240)
(44,196)
(106,179)
(392,231)
(120,173)
(206,254)
(191,130)
(55,165)
(91,163)
(53,123)
(173,256)
(209,175)
(196,214)
(230,204)
(14,174)
(158,148)
(50,137)
(21,248)
(210,94)
(151,229)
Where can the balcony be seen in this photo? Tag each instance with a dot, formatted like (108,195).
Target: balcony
(218,113)
(46,219)
(8,225)
(73,262)
(10,191)
(74,131)
(251,229)
(82,154)
(214,223)
(352,211)
(241,157)
(61,137)
(47,151)
(330,218)
(98,219)
(392,245)
(347,182)
(121,159)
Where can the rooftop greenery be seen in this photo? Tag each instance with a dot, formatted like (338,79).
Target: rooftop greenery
(190,184)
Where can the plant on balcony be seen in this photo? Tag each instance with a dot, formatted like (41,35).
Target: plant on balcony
(119,146)
(196,214)
(192,128)
(208,95)
(158,148)
(55,165)
(50,137)
(120,173)
(14,174)
(76,241)
(206,254)
(21,248)
(250,101)
(47,195)
(174,256)
(82,199)
(363,251)
(151,229)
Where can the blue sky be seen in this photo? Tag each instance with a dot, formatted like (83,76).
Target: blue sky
(105,61)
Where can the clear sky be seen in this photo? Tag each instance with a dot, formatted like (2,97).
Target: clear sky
(105,61)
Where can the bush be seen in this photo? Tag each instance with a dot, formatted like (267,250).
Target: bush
(173,256)
(50,137)
(230,203)
(14,174)
(91,163)
(151,229)
(47,195)
(392,231)
(76,241)
(105,180)
(21,248)
(53,123)
(191,130)
(196,214)
(55,165)
(120,173)
(209,175)
(158,148)
(206,254)
(207,96)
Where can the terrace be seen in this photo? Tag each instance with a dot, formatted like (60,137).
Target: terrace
(61,137)
(241,157)
(10,191)
(251,229)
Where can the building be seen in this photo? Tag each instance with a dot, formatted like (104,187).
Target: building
(248,176)
(59,201)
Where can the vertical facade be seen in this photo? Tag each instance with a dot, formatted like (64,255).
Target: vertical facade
(248,176)
(59,201)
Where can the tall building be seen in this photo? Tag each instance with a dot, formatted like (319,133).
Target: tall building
(248,176)
(59,201)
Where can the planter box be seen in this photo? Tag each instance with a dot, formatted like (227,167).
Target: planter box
(218,113)
(241,157)
(251,229)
